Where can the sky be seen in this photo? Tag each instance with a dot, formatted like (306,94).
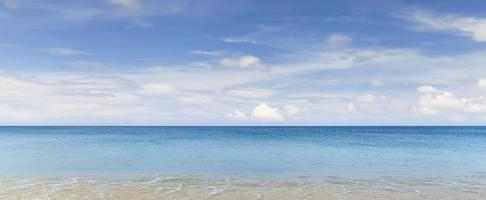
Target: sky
(242,62)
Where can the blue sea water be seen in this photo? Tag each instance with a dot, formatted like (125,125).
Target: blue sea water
(387,151)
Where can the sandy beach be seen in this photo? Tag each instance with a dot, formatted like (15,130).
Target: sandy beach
(244,188)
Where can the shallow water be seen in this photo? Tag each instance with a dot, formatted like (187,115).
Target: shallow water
(242,188)
(242,162)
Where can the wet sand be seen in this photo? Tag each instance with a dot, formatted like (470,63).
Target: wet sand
(234,188)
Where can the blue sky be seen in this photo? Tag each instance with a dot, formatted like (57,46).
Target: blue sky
(214,62)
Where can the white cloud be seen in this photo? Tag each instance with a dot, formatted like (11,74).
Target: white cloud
(367,98)
(207,53)
(12,4)
(237,115)
(427,89)
(202,93)
(264,112)
(127,4)
(239,40)
(194,99)
(157,89)
(353,58)
(426,20)
(351,107)
(338,40)
(208,80)
(88,65)
(64,51)
(65,99)
(250,92)
(243,62)
(14,88)
(370,103)
(435,101)
(291,110)
(481,83)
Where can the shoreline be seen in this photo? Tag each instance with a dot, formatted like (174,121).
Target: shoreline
(241,188)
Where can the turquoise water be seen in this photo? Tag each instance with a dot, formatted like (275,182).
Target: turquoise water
(388,151)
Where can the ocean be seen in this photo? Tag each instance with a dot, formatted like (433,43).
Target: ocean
(243,162)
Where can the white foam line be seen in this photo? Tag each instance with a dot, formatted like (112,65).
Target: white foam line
(178,188)
(153,181)
(215,190)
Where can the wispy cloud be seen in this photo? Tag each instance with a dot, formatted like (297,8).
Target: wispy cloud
(338,39)
(238,40)
(250,92)
(206,53)
(431,21)
(127,4)
(131,10)
(12,4)
(280,94)
(62,51)
(88,65)
(157,89)
(243,62)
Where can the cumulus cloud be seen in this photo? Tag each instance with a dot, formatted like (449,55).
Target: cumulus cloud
(427,20)
(338,40)
(264,112)
(204,92)
(243,62)
(64,51)
(435,101)
(237,115)
(427,89)
(481,83)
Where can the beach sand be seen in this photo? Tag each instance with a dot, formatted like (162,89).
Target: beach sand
(234,188)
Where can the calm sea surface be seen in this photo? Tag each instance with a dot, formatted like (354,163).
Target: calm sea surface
(256,150)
